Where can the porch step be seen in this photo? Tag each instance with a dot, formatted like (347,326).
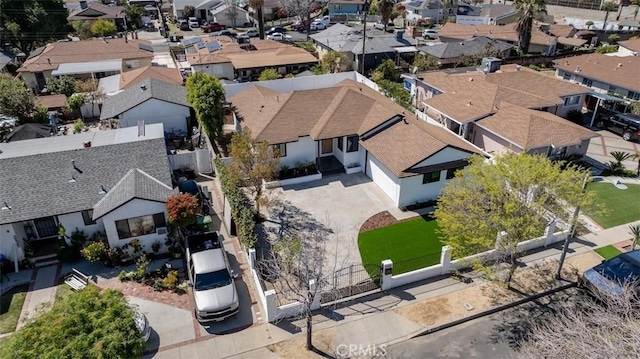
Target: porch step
(45,260)
(47,263)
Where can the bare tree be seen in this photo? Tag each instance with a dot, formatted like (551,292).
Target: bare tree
(232,11)
(93,93)
(302,9)
(605,327)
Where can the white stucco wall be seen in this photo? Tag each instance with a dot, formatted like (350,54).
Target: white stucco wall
(563,110)
(134,208)
(71,221)
(472,20)
(412,190)
(221,71)
(446,155)
(10,244)
(352,157)
(382,177)
(303,150)
(171,115)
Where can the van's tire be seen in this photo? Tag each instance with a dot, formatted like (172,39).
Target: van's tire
(600,124)
(626,136)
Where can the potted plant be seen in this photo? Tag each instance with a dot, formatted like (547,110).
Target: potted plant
(155,246)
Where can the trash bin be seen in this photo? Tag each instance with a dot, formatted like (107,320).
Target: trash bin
(203,223)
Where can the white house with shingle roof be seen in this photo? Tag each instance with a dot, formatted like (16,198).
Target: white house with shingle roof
(350,127)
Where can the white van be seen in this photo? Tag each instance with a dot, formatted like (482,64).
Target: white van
(430,34)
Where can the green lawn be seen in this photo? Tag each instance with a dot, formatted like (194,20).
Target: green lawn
(607,252)
(10,308)
(618,206)
(411,245)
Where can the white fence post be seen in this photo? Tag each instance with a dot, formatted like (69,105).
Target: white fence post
(445,259)
(315,305)
(548,232)
(387,273)
(252,258)
(272,305)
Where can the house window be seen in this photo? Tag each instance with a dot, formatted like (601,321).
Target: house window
(587,82)
(352,143)
(633,95)
(566,76)
(280,149)
(340,140)
(416,11)
(140,226)
(572,100)
(431,177)
(87,217)
(451,172)
(612,90)
(133,64)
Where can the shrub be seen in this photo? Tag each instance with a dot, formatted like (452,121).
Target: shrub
(78,237)
(613,39)
(94,252)
(182,209)
(607,49)
(78,126)
(575,116)
(171,280)
(142,268)
(155,246)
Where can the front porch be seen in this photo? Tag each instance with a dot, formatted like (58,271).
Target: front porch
(329,165)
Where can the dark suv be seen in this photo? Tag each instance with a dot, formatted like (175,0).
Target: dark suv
(625,124)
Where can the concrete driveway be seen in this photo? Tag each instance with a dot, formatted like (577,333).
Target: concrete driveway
(600,148)
(336,205)
(169,325)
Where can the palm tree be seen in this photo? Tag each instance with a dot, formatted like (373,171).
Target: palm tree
(608,6)
(257,6)
(385,8)
(527,11)
(634,229)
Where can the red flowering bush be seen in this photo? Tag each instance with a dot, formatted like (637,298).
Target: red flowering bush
(182,209)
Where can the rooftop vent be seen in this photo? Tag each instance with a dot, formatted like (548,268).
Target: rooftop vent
(73,164)
(103,190)
(143,87)
(619,64)
(6,206)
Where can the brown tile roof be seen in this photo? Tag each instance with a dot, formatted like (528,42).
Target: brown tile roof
(267,53)
(358,2)
(57,53)
(170,75)
(94,10)
(614,70)
(470,96)
(633,45)
(529,129)
(345,109)
(505,33)
(52,101)
(571,41)
(561,30)
(407,143)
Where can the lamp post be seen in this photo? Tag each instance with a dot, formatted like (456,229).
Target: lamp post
(572,229)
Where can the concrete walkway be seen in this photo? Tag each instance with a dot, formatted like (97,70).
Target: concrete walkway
(42,291)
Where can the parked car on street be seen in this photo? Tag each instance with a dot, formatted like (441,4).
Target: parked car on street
(610,276)
(299,25)
(226,33)
(183,24)
(276,29)
(193,22)
(317,25)
(250,33)
(276,36)
(431,34)
(380,26)
(624,124)
(212,26)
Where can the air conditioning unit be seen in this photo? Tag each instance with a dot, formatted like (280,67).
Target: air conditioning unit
(161,230)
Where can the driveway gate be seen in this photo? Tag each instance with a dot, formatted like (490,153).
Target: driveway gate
(352,280)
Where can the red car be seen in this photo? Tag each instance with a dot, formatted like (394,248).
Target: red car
(212,26)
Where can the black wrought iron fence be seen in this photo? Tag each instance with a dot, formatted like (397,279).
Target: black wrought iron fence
(415,263)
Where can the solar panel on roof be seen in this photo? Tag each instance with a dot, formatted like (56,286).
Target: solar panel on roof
(145,47)
(200,45)
(189,42)
(213,46)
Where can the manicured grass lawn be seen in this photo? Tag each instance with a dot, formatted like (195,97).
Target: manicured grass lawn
(411,245)
(10,308)
(607,252)
(621,205)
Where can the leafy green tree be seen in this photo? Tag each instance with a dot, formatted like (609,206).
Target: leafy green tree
(15,99)
(134,15)
(373,7)
(613,39)
(386,71)
(103,28)
(607,7)
(40,115)
(87,324)
(588,24)
(27,24)
(425,62)
(334,61)
(206,94)
(257,5)
(527,11)
(269,74)
(189,11)
(253,163)
(65,85)
(75,102)
(385,8)
(82,29)
(396,92)
(510,198)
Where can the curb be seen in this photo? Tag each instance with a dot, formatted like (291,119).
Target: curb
(496,309)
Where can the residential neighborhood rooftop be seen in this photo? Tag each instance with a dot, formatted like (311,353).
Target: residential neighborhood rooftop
(561,30)
(165,74)
(472,46)
(51,101)
(343,38)
(71,179)
(633,45)
(95,11)
(534,129)
(619,71)
(505,32)
(50,56)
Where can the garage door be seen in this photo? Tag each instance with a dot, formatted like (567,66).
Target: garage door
(377,174)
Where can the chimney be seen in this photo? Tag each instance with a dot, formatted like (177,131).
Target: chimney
(83,4)
(140,128)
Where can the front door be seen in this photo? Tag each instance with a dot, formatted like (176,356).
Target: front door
(327,146)
(46,227)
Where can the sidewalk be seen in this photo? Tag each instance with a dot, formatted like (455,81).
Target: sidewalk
(41,291)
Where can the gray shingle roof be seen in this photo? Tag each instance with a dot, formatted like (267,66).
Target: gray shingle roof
(474,46)
(134,96)
(135,184)
(344,38)
(38,185)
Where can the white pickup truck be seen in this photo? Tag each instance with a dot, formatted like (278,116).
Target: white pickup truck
(211,277)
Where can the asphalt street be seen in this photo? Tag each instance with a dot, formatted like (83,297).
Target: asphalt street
(492,337)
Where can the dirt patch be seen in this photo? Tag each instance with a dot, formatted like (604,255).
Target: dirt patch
(296,348)
(134,289)
(378,220)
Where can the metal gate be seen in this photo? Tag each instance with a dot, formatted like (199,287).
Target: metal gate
(352,280)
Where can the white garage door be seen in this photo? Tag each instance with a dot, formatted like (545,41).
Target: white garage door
(378,175)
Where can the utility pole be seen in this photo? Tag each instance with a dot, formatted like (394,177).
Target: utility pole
(365,8)
(572,230)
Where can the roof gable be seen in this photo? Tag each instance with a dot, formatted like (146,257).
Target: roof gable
(133,96)
(613,70)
